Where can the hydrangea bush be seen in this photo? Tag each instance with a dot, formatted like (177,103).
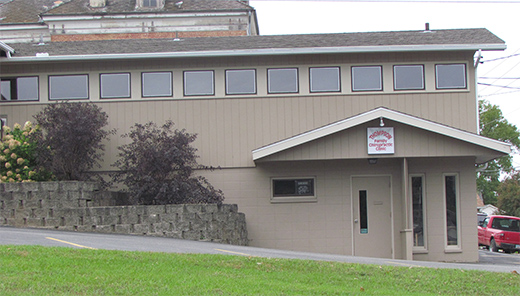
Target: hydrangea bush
(18,155)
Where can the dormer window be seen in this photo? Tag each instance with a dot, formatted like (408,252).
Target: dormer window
(150,3)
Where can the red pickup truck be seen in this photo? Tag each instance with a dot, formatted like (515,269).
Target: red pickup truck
(500,232)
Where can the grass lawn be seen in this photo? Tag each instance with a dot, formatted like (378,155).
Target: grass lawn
(35,270)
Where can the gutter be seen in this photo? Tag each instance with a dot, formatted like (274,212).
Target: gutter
(7,49)
(258,52)
(138,15)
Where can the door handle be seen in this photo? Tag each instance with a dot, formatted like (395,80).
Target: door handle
(355,220)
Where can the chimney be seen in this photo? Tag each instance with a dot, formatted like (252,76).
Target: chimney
(427,27)
(97,3)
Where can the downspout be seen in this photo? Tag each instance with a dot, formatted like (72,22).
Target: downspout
(477,62)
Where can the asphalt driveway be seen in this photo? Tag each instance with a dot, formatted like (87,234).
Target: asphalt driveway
(497,262)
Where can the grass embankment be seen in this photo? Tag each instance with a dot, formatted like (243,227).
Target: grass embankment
(34,270)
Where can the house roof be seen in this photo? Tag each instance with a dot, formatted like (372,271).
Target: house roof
(23,11)
(501,147)
(81,7)
(28,11)
(437,40)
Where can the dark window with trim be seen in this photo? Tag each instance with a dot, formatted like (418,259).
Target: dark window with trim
(240,82)
(418,211)
(363,212)
(450,183)
(199,83)
(367,78)
(408,77)
(293,187)
(156,84)
(324,79)
(115,85)
(450,76)
(68,87)
(19,89)
(282,80)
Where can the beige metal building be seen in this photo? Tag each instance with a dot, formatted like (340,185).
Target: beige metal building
(360,144)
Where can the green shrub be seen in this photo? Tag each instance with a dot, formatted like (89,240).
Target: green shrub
(18,153)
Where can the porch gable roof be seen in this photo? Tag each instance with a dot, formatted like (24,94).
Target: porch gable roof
(383,113)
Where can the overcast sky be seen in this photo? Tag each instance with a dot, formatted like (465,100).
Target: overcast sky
(336,16)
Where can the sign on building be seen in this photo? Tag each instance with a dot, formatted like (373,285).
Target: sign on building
(380,140)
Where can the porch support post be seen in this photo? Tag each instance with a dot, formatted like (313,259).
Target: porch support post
(407,231)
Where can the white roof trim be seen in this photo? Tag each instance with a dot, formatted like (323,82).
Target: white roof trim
(386,114)
(268,51)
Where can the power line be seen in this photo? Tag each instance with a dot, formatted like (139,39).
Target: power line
(506,57)
(502,86)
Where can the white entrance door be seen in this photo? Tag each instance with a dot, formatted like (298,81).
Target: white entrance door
(371,199)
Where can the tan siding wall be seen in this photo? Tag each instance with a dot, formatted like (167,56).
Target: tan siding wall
(230,127)
(352,144)
(435,215)
(324,226)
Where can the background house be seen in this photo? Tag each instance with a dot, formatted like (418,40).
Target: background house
(75,20)
(360,143)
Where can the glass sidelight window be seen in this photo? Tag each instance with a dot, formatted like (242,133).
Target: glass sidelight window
(417,192)
(363,212)
(452,211)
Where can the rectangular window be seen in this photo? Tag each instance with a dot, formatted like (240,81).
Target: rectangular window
(68,87)
(451,199)
(115,85)
(199,83)
(367,78)
(363,212)
(156,84)
(450,76)
(408,77)
(326,79)
(293,190)
(282,80)
(149,3)
(240,82)
(19,89)
(417,192)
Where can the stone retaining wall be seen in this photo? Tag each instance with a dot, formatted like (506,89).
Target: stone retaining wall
(81,206)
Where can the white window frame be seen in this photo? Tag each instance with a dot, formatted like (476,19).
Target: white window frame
(420,249)
(292,91)
(465,86)
(126,95)
(293,198)
(186,75)
(228,92)
(452,248)
(338,89)
(170,94)
(380,88)
(50,78)
(396,67)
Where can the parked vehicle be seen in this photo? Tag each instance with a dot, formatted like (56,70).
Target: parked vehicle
(481,217)
(500,232)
